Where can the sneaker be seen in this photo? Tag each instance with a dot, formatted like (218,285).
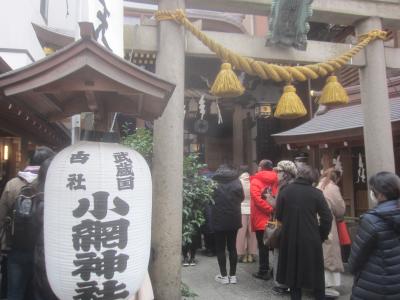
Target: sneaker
(250,258)
(232,279)
(222,279)
(243,258)
(331,293)
(192,262)
(185,262)
(280,290)
(263,276)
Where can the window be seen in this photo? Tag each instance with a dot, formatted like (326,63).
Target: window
(44,5)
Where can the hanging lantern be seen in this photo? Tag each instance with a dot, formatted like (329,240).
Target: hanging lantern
(97,221)
(194,148)
(192,108)
(201,126)
(263,110)
(214,108)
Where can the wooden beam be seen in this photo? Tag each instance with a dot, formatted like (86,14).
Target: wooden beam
(341,12)
(27,123)
(73,105)
(91,100)
(140,105)
(96,84)
(57,117)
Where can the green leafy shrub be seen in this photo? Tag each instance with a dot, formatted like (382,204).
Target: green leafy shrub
(197,191)
(186,293)
(141,141)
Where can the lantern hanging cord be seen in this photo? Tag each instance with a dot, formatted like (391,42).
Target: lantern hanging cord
(266,70)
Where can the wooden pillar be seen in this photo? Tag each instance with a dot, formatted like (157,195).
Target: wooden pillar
(140,123)
(237,136)
(24,152)
(347,180)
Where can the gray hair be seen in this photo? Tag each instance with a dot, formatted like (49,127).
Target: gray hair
(307,173)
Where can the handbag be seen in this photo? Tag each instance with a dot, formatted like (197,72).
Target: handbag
(343,233)
(267,196)
(272,234)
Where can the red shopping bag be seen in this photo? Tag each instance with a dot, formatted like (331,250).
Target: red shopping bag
(344,236)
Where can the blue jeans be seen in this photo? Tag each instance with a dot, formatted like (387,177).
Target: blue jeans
(20,267)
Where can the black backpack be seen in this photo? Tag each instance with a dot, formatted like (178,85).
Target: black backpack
(25,218)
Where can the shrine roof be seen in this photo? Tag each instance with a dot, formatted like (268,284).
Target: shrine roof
(85,76)
(340,123)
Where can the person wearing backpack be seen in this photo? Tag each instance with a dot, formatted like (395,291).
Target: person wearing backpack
(20,257)
(375,252)
(41,286)
(260,211)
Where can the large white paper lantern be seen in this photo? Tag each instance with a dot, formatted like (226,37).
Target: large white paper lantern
(97,221)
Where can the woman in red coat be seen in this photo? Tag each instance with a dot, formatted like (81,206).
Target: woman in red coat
(260,211)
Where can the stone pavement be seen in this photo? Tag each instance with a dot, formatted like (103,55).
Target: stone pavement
(200,279)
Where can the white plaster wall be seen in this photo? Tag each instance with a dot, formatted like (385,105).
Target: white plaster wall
(17,16)
(59,19)
(16,30)
(16,60)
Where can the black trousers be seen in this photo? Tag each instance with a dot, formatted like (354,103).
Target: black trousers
(209,242)
(263,253)
(223,240)
(295,294)
(189,249)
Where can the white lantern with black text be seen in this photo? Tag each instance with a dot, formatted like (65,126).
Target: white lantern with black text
(97,221)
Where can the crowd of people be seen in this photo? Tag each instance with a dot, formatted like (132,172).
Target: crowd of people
(305,207)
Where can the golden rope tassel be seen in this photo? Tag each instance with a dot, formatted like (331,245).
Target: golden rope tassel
(227,84)
(290,105)
(333,93)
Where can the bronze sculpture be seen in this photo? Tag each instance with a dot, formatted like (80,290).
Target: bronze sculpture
(288,24)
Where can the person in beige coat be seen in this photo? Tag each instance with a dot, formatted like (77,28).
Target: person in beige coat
(246,241)
(331,247)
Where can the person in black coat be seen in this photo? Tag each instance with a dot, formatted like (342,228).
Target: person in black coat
(375,252)
(306,222)
(227,219)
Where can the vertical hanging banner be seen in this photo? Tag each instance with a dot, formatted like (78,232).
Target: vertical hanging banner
(107,17)
(97,221)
